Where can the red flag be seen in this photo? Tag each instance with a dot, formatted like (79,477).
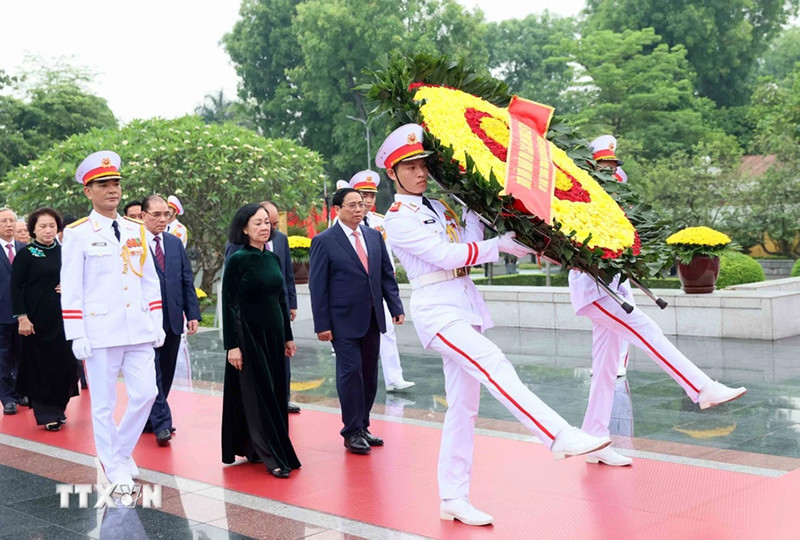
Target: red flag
(530,174)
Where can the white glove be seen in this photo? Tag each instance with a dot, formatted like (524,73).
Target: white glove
(160,337)
(507,244)
(81,348)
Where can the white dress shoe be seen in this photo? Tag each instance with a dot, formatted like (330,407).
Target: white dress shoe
(571,441)
(622,370)
(714,393)
(399,385)
(608,456)
(463,511)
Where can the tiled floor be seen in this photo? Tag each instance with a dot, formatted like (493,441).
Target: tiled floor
(652,418)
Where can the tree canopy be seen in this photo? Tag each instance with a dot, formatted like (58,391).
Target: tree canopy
(301,60)
(723,38)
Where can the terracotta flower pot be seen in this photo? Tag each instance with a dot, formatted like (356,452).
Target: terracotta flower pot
(300,272)
(700,275)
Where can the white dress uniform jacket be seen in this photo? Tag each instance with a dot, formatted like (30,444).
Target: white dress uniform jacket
(583,290)
(179,229)
(417,232)
(110,291)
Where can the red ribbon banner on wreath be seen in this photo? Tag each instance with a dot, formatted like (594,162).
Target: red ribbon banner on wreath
(530,174)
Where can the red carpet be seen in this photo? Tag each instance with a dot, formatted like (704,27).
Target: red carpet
(529,494)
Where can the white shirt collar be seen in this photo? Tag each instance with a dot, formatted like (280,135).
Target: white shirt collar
(347,230)
(413,199)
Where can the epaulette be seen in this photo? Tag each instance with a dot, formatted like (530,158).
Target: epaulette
(394,208)
(79,222)
(137,221)
(379,215)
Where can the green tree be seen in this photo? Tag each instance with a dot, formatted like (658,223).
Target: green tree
(213,168)
(54,104)
(638,88)
(723,38)
(783,53)
(300,62)
(693,189)
(523,53)
(215,109)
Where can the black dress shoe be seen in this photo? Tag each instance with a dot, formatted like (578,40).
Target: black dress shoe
(356,444)
(23,402)
(163,437)
(293,408)
(172,429)
(10,408)
(53,426)
(371,439)
(278,472)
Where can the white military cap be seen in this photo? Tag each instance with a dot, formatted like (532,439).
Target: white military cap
(102,165)
(620,175)
(402,144)
(366,181)
(604,148)
(175,203)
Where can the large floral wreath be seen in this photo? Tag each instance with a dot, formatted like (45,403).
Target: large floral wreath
(466,121)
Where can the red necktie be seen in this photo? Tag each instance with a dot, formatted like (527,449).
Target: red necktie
(362,254)
(159,253)
(10,249)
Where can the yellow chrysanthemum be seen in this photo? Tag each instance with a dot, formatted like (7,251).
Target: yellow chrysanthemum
(299,242)
(699,236)
(447,113)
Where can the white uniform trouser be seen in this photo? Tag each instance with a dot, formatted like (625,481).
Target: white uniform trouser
(611,327)
(114,443)
(470,360)
(390,356)
(623,354)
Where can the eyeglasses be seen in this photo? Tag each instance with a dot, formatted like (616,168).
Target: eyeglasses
(353,206)
(159,215)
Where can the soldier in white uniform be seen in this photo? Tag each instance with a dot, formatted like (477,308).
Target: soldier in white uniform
(111,306)
(174,226)
(612,330)
(367,182)
(450,317)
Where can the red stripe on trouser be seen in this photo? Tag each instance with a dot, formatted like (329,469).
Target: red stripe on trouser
(499,389)
(647,344)
(626,360)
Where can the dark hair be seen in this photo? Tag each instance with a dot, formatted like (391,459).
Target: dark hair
(130,204)
(36,214)
(148,201)
(339,196)
(68,218)
(236,230)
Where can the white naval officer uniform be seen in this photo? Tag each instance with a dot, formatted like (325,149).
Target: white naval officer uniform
(110,294)
(450,317)
(179,229)
(390,356)
(611,328)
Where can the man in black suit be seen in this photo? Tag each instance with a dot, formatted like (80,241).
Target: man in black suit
(178,299)
(350,275)
(10,340)
(279,244)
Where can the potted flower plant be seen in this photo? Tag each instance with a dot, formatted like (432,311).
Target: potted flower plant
(299,247)
(697,250)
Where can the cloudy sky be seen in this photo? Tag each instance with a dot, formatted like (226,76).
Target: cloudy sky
(158,58)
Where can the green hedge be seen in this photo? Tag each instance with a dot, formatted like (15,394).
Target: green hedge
(738,268)
(531,280)
(796,269)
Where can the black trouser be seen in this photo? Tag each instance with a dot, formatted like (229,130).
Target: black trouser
(10,355)
(166,360)
(357,376)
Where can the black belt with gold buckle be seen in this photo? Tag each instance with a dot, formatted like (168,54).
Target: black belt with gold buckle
(462,272)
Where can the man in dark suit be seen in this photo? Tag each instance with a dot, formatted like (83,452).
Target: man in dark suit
(350,275)
(279,244)
(10,340)
(178,299)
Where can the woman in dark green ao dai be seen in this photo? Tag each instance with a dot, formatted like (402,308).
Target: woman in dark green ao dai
(257,336)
